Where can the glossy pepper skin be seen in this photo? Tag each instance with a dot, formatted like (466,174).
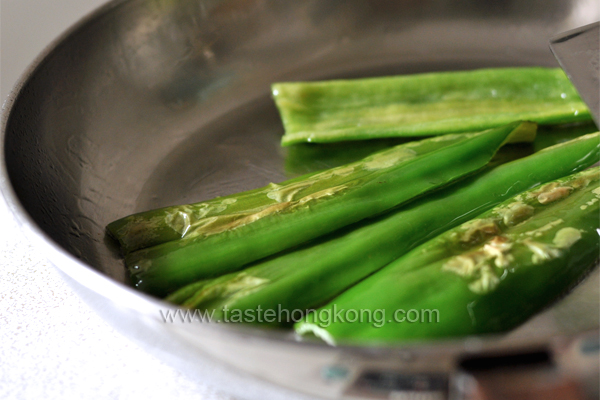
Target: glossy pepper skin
(307,277)
(487,275)
(424,104)
(151,228)
(382,181)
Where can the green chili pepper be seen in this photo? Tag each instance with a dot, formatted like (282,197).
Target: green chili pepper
(313,274)
(424,104)
(315,206)
(151,228)
(487,275)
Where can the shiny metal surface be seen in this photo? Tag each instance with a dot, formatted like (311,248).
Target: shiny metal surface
(155,102)
(578,53)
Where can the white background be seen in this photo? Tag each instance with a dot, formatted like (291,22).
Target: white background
(52,346)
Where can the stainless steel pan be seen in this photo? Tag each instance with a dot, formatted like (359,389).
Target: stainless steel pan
(153,102)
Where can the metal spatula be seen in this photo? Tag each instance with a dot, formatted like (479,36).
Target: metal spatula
(577,52)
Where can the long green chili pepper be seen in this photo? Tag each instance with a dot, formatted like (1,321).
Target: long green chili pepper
(424,104)
(310,208)
(151,228)
(487,275)
(307,277)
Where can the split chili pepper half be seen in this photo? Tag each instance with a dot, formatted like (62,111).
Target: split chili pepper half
(425,104)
